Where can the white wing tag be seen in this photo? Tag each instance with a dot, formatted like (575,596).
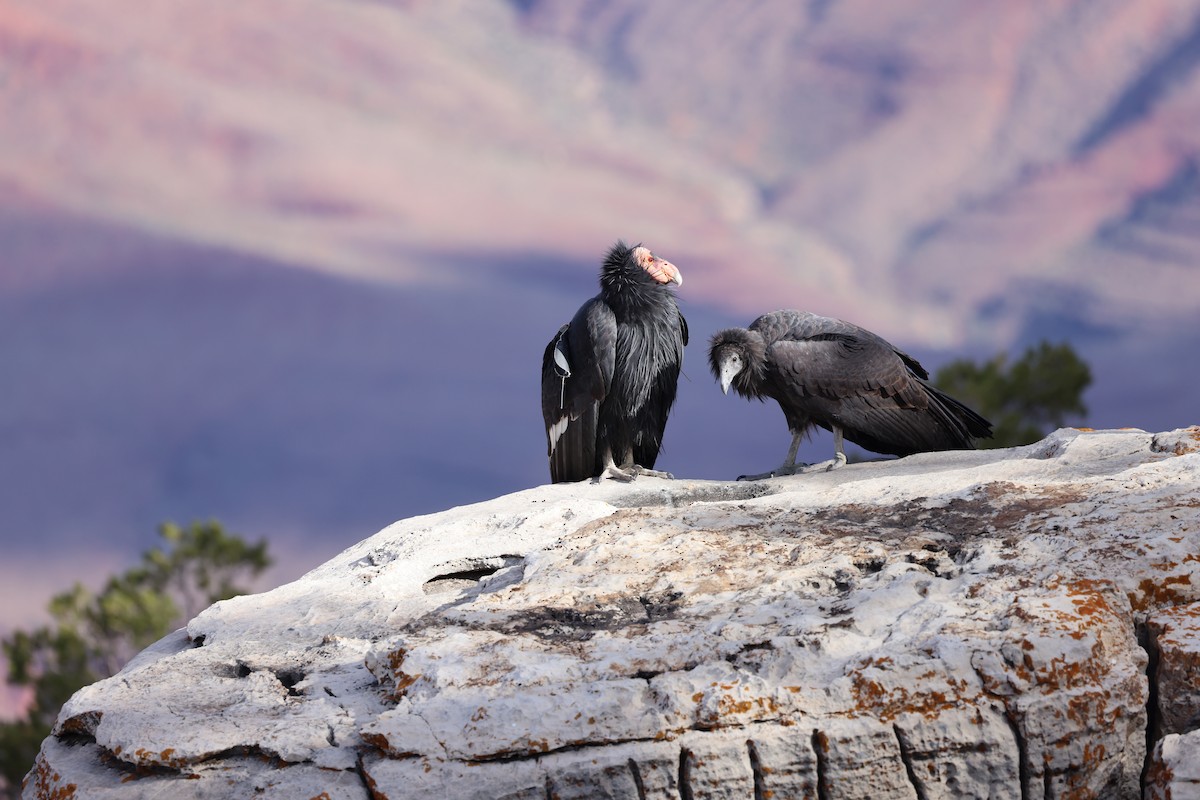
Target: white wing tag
(562,368)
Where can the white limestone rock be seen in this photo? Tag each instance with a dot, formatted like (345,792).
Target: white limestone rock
(949,625)
(1175,655)
(1174,772)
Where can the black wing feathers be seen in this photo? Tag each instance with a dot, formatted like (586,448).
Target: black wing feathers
(570,401)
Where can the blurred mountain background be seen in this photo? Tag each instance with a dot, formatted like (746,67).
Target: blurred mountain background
(291,264)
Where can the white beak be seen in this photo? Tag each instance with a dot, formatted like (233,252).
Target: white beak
(729,371)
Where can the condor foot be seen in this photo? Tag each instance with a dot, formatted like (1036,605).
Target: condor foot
(630,472)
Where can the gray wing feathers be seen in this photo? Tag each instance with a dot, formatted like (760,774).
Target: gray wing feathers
(835,371)
(845,367)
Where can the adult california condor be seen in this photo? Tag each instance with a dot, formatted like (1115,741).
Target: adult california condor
(609,375)
(844,378)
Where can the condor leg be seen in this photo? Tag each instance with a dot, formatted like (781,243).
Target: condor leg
(839,455)
(789,466)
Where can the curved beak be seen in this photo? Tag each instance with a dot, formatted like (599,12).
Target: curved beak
(661,270)
(729,371)
(672,272)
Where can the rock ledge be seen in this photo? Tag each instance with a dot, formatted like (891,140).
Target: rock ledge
(996,624)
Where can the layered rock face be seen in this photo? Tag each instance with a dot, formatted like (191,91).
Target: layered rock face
(1004,624)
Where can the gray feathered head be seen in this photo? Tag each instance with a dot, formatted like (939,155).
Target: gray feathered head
(737,357)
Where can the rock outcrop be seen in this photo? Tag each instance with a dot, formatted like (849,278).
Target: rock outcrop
(1003,624)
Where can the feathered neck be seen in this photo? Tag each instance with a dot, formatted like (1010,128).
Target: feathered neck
(625,285)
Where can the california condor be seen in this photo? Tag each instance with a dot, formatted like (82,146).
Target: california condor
(845,379)
(609,375)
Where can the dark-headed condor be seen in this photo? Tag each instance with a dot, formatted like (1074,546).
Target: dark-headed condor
(831,373)
(609,375)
